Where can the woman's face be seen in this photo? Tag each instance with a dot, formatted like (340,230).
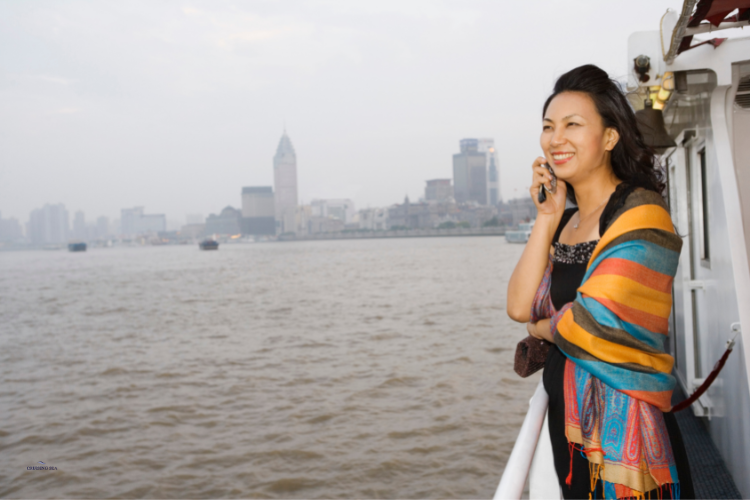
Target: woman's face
(574,139)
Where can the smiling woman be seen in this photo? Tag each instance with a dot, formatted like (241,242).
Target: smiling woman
(610,261)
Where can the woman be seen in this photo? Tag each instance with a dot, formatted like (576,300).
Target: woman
(606,265)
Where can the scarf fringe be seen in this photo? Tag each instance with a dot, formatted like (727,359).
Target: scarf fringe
(596,474)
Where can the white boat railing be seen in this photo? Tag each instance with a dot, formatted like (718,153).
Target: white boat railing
(520,461)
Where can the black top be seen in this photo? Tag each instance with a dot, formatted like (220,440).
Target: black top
(569,264)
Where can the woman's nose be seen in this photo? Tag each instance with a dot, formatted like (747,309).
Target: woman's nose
(558,138)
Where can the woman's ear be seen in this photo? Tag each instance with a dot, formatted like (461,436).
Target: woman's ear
(612,137)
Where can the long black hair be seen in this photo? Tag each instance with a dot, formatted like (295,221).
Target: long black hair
(633,162)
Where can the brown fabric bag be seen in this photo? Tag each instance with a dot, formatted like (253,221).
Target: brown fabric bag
(530,356)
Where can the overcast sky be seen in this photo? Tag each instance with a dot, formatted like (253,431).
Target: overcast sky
(176,105)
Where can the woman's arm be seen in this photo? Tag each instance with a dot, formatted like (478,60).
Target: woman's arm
(528,273)
(541,330)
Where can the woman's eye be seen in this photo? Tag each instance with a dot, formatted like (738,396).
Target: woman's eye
(546,127)
(572,123)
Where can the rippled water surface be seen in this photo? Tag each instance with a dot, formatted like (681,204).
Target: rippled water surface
(375,369)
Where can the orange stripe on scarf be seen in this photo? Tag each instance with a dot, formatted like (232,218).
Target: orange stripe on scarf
(610,351)
(636,272)
(639,297)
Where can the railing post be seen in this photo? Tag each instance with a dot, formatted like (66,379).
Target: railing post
(517,469)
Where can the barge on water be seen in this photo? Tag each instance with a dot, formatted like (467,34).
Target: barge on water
(77,247)
(209,245)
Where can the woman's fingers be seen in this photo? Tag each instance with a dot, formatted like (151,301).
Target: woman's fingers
(542,176)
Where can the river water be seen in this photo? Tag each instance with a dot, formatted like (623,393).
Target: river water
(327,369)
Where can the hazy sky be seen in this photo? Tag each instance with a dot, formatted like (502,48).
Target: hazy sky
(175,105)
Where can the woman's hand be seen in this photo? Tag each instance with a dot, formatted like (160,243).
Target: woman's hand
(554,205)
(540,330)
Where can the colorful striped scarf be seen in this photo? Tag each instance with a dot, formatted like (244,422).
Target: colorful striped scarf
(618,377)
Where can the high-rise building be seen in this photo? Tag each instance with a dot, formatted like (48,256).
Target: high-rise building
(487,146)
(439,190)
(258,211)
(470,173)
(79,226)
(10,229)
(129,220)
(135,222)
(285,184)
(48,225)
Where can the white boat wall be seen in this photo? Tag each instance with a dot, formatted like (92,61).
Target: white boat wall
(705,96)
(708,173)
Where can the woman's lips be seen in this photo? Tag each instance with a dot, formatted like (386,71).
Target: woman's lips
(560,158)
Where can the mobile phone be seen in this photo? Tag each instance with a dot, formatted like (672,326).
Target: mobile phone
(542,197)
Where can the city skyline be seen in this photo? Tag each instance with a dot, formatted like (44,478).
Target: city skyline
(470,198)
(176,104)
(262,207)
(285,174)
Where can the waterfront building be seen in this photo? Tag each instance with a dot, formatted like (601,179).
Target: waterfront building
(421,215)
(505,214)
(317,224)
(476,215)
(227,222)
(258,211)
(470,173)
(285,184)
(438,190)
(48,225)
(129,220)
(522,210)
(373,219)
(10,229)
(302,219)
(340,209)
(487,146)
(135,222)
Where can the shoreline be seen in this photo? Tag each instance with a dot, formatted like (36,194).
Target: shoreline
(408,233)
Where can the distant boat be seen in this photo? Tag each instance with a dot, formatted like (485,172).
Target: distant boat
(209,245)
(521,235)
(77,247)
